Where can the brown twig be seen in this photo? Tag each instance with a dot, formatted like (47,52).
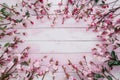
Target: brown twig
(4,24)
(76,69)
(10,9)
(67,75)
(105,15)
(44,74)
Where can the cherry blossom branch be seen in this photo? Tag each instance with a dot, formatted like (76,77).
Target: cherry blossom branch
(10,9)
(66,74)
(44,75)
(76,69)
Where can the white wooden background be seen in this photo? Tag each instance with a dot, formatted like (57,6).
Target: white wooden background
(62,42)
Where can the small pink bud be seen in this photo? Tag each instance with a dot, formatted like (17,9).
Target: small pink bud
(41,1)
(31,22)
(60,4)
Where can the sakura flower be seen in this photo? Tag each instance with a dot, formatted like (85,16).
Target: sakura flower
(36,64)
(72,78)
(118,21)
(18,67)
(55,67)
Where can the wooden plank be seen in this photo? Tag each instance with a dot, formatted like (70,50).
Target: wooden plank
(56,47)
(59,35)
(56,34)
(60,47)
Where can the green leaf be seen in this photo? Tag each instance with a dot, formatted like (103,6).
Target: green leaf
(1,18)
(49,4)
(25,63)
(15,60)
(3,28)
(113,63)
(113,55)
(4,12)
(27,14)
(103,2)
(109,78)
(7,44)
(98,76)
(96,1)
(18,21)
(28,74)
(118,45)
